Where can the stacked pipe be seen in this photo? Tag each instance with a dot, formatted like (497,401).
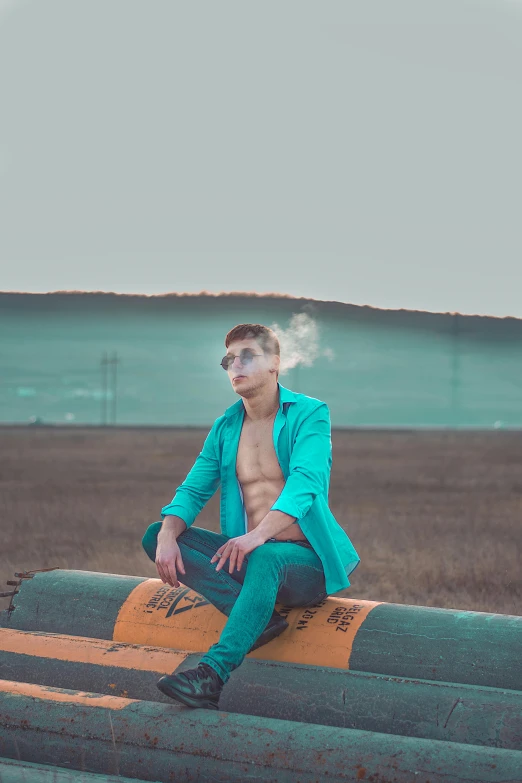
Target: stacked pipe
(353,690)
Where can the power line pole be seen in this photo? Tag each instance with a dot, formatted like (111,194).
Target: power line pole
(109,384)
(104,371)
(455,370)
(114,364)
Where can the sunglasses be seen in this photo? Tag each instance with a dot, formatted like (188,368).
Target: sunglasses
(246,356)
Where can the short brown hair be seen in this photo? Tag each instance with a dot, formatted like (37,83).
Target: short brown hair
(265,336)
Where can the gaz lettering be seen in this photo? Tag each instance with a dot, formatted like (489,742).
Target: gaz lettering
(342,616)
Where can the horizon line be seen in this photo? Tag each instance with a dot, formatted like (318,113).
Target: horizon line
(253,294)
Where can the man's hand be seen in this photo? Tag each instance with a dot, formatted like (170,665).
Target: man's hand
(168,558)
(237,548)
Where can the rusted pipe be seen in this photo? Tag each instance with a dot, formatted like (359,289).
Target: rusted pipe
(152,741)
(399,640)
(311,694)
(12,771)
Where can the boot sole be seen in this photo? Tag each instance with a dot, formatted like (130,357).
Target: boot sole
(183,698)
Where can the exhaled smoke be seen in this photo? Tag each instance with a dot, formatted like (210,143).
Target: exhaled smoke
(300,342)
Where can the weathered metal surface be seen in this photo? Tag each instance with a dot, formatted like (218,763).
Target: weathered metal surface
(77,598)
(406,641)
(22,575)
(151,741)
(334,697)
(12,771)
(441,644)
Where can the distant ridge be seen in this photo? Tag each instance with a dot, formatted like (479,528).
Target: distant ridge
(243,295)
(373,367)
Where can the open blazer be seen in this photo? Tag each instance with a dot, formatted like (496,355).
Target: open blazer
(303,445)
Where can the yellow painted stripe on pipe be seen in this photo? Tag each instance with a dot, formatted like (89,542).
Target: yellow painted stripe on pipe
(64,647)
(46,693)
(157,614)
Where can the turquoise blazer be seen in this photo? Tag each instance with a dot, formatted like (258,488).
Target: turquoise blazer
(303,445)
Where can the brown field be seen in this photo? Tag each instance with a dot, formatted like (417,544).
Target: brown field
(435,516)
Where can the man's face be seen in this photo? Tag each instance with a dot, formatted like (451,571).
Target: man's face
(248,377)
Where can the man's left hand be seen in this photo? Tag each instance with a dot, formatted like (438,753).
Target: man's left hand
(236,549)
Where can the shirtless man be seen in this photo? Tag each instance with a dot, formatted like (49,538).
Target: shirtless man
(271,453)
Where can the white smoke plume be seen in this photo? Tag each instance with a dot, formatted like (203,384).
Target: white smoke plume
(300,342)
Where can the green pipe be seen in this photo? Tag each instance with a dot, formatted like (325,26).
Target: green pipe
(12,771)
(418,642)
(451,712)
(152,741)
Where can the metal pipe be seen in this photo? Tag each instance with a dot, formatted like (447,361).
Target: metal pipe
(419,642)
(311,694)
(12,771)
(151,741)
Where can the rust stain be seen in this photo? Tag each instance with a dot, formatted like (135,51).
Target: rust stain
(46,693)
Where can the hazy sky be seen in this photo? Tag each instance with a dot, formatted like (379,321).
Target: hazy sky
(366,152)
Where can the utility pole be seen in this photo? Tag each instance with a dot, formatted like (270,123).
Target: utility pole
(114,363)
(455,370)
(104,371)
(109,380)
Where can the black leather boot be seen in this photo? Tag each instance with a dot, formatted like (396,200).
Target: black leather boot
(276,625)
(199,687)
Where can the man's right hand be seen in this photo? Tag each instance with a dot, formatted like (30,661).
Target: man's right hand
(168,558)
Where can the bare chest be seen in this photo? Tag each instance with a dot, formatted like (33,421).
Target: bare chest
(256,457)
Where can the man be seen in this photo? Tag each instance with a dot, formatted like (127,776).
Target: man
(271,452)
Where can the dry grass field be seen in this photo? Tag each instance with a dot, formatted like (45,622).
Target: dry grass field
(435,516)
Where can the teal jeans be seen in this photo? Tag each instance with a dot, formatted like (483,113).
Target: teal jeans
(284,571)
